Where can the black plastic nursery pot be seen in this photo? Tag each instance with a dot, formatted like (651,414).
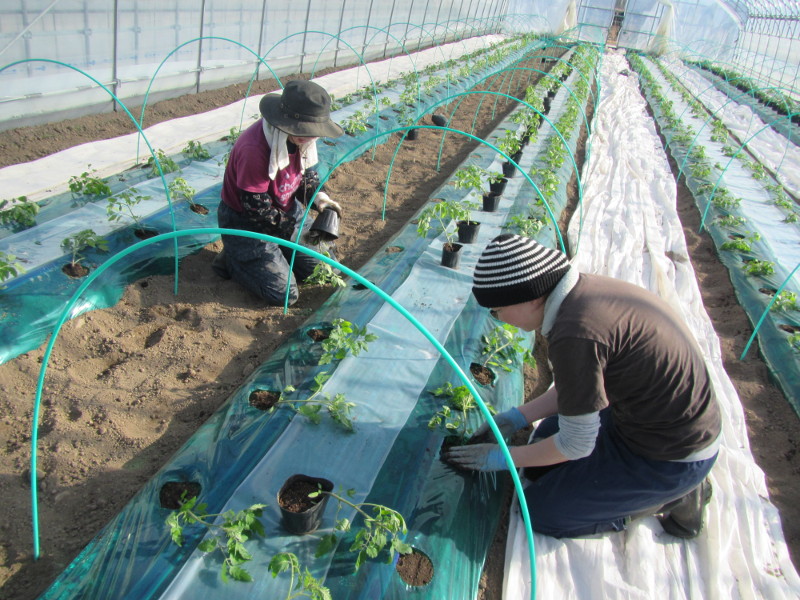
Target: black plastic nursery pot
(491,201)
(451,255)
(498,187)
(439,120)
(411,134)
(509,169)
(299,513)
(326,225)
(468,231)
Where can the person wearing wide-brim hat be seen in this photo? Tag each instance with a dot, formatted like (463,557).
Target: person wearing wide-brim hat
(630,427)
(268,181)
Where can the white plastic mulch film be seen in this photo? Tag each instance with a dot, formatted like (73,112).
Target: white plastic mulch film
(631,231)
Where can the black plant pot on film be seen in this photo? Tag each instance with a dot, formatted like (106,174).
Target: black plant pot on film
(491,201)
(468,231)
(509,169)
(498,187)
(451,255)
(439,120)
(327,225)
(300,514)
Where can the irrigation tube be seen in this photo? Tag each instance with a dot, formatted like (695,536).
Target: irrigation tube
(549,122)
(136,124)
(200,39)
(404,129)
(766,311)
(267,238)
(727,166)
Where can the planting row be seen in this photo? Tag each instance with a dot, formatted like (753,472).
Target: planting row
(398,500)
(747,212)
(92,225)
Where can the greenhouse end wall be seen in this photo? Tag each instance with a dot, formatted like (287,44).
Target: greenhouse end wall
(57,55)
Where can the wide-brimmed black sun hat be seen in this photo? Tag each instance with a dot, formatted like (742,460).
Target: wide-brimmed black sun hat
(302,109)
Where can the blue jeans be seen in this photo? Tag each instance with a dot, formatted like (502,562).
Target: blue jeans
(598,493)
(263,267)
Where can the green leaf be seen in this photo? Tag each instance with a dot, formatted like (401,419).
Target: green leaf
(207,546)
(401,547)
(326,544)
(281,562)
(240,574)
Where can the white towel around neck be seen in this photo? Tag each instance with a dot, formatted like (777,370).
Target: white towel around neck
(279,153)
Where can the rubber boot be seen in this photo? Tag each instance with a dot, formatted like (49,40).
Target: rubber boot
(684,517)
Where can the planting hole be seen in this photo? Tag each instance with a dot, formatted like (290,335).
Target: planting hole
(329,142)
(415,568)
(319,334)
(145,234)
(482,375)
(789,328)
(173,493)
(76,271)
(394,249)
(263,399)
(767,291)
(199,209)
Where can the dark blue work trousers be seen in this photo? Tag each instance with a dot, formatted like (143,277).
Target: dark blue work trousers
(600,492)
(263,267)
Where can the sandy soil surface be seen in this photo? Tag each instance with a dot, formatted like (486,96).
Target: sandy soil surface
(127,386)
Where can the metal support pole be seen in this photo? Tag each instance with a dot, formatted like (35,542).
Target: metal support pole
(391,17)
(338,33)
(115,57)
(367,30)
(305,36)
(200,46)
(261,37)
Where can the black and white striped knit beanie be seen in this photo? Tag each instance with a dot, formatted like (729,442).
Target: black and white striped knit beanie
(515,269)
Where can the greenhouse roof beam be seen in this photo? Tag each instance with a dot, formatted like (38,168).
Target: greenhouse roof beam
(763,9)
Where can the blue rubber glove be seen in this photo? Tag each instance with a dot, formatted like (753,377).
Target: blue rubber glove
(507,422)
(477,457)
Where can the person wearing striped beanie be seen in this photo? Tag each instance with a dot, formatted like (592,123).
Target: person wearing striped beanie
(630,426)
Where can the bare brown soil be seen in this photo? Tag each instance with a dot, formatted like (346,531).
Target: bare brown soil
(127,386)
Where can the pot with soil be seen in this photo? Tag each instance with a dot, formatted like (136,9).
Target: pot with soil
(499,186)
(301,504)
(411,134)
(468,231)
(491,201)
(509,169)
(451,255)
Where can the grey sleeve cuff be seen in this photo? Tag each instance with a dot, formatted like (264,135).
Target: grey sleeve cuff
(577,435)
